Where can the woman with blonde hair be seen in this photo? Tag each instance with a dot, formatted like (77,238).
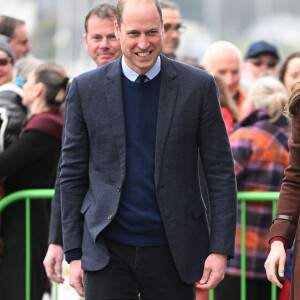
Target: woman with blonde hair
(260,151)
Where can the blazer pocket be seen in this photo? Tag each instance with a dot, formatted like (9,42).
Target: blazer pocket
(85,205)
(198,210)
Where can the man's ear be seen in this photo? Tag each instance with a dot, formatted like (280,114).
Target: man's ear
(117,30)
(85,39)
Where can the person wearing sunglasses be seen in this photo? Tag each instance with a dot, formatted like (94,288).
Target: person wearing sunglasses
(172,28)
(7,60)
(261,59)
(12,113)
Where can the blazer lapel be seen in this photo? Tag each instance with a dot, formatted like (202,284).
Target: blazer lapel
(114,98)
(167,100)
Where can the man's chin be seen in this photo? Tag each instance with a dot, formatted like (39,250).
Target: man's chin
(102,62)
(105,59)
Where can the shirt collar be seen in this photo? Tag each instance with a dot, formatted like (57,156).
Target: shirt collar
(132,75)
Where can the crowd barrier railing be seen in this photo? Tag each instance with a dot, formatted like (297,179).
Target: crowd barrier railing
(243,197)
(26,195)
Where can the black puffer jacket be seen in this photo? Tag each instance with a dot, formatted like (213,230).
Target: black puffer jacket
(13,114)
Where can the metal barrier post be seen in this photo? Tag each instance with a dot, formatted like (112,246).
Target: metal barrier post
(56,291)
(27,195)
(253,196)
(48,193)
(28,248)
(273,286)
(244,197)
(243,249)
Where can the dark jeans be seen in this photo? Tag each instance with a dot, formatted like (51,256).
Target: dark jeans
(230,289)
(148,272)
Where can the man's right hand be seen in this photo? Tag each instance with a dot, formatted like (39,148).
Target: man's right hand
(76,277)
(53,263)
(277,256)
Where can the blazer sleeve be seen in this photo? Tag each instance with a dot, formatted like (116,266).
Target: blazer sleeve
(74,180)
(217,160)
(289,198)
(55,231)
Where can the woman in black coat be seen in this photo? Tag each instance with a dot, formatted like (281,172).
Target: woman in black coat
(29,163)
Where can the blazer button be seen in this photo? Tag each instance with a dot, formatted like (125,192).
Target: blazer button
(119,189)
(110,216)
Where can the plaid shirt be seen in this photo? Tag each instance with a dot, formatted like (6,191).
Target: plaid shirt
(260,151)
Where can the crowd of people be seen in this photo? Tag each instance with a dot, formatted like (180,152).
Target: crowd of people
(146,153)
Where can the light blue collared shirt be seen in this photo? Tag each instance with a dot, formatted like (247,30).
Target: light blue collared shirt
(132,75)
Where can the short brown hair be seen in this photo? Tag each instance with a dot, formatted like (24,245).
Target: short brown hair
(8,25)
(102,11)
(121,5)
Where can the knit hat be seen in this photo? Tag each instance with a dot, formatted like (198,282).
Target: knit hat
(261,47)
(6,47)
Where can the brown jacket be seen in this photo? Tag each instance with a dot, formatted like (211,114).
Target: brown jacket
(289,205)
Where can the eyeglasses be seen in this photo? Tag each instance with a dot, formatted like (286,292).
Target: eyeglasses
(176,27)
(270,63)
(4,61)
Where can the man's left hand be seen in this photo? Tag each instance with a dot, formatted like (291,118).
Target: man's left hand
(214,271)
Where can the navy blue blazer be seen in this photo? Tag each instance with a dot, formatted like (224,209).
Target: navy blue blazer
(190,128)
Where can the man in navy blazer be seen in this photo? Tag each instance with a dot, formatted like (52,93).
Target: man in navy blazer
(132,212)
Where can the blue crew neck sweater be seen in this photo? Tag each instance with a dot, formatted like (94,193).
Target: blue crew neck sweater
(138,220)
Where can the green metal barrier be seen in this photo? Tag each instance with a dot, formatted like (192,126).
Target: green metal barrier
(244,197)
(26,195)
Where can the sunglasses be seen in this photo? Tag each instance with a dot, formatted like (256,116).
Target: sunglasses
(4,61)
(270,63)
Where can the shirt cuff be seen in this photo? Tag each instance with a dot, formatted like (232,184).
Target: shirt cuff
(73,254)
(280,239)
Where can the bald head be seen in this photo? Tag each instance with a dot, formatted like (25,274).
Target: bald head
(225,59)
